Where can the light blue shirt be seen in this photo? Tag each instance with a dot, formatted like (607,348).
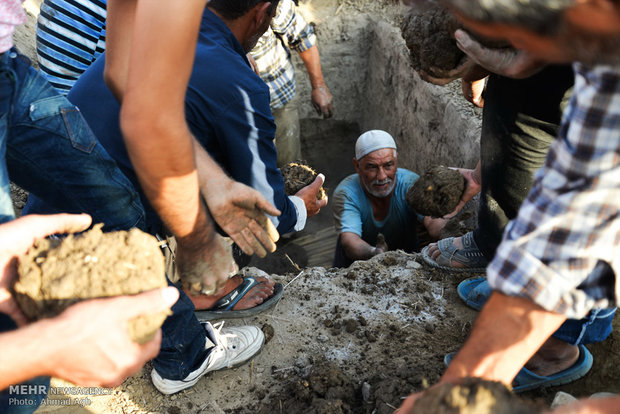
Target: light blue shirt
(353,213)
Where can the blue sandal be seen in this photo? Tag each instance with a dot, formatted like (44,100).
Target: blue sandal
(469,255)
(475,292)
(223,308)
(526,380)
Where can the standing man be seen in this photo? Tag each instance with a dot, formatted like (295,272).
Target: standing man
(559,257)
(289,31)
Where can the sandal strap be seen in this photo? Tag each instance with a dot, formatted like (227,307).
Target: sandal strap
(229,300)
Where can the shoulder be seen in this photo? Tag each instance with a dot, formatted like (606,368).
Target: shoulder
(348,185)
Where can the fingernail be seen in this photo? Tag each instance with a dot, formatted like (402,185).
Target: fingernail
(321,176)
(170,295)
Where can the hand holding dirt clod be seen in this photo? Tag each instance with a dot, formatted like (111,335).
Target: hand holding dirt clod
(304,182)
(54,275)
(436,193)
(16,237)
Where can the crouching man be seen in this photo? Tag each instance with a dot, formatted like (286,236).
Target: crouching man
(373,202)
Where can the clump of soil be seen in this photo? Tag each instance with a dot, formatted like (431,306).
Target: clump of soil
(473,396)
(56,274)
(297,175)
(428,31)
(429,34)
(437,192)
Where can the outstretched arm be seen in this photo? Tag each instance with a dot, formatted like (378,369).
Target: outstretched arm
(357,249)
(238,209)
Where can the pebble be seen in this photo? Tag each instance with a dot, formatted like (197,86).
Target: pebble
(412,264)
(322,338)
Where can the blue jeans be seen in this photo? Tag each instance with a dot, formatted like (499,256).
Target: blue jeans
(47,148)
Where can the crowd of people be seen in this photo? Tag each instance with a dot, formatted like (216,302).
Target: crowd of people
(162,139)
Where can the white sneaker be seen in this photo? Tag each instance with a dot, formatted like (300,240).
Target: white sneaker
(231,347)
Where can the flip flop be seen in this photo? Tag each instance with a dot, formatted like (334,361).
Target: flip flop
(526,380)
(475,292)
(223,308)
(469,255)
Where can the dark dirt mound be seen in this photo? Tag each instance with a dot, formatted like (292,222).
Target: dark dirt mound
(297,175)
(55,274)
(429,35)
(437,192)
(473,396)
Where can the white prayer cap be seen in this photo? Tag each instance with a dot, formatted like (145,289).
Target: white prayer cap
(371,141)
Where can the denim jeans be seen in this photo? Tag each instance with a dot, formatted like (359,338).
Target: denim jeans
(47,148)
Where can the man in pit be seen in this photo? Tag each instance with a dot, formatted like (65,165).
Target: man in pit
(371,213)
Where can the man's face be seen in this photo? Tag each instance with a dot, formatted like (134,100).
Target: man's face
(377,172)
(590,35)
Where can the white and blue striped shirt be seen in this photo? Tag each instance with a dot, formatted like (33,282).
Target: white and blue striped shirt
(70,36)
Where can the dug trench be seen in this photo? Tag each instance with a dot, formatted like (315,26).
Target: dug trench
(353,340)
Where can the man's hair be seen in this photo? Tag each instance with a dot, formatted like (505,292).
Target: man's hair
(234,9)
(543,17)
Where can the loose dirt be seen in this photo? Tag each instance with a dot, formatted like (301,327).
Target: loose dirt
(437,192)
(56,274)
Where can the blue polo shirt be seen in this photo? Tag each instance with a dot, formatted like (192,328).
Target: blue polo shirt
(227,110)
(353,213)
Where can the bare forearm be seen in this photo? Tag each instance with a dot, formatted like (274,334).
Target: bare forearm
(206,166)
(152,116)
(312,62)
(119,35)
(356,248)
(507,333)
(26,352)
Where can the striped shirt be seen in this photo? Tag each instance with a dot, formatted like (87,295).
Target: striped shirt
(11,15)
(563,248)
(288,30)
(70,36)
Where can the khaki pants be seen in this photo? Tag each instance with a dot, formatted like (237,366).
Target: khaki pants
(287,140)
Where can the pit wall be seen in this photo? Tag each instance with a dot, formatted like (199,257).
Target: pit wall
(366,67)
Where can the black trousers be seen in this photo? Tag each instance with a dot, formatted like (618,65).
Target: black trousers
(520,121)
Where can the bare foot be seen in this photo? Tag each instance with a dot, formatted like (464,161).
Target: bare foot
(434,252)
(257,294)
(554,356)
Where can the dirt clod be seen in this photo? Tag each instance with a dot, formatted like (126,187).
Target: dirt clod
(473,396)
(437,192)
(429,35)
(55,274)
(297,175)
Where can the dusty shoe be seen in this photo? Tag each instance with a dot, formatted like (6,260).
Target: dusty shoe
(233,347)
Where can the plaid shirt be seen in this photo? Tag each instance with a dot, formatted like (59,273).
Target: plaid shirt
(288,30)
(562,248)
